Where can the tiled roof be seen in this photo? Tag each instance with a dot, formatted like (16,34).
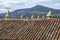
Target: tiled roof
(44,29)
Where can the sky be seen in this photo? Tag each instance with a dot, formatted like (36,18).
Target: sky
(12,5)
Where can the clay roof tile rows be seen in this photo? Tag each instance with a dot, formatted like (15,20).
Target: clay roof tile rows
(45,29)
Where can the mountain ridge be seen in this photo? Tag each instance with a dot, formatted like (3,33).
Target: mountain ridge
(38,9)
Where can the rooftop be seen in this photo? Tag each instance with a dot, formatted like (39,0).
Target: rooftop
(42,29)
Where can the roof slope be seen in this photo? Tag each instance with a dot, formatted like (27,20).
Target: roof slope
(44,29)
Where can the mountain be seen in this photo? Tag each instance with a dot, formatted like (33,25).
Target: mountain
(36,10)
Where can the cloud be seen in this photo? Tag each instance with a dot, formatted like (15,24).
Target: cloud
(20,4)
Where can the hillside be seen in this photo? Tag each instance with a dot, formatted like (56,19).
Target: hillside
(36,10)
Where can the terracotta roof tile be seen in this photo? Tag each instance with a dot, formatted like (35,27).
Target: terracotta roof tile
(45,29)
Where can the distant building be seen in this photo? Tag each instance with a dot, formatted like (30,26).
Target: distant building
(43,17)
(49,15)
(23,17)
(32,17)
(38,17)
(8,16)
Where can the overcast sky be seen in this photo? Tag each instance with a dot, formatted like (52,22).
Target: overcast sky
(20,4)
